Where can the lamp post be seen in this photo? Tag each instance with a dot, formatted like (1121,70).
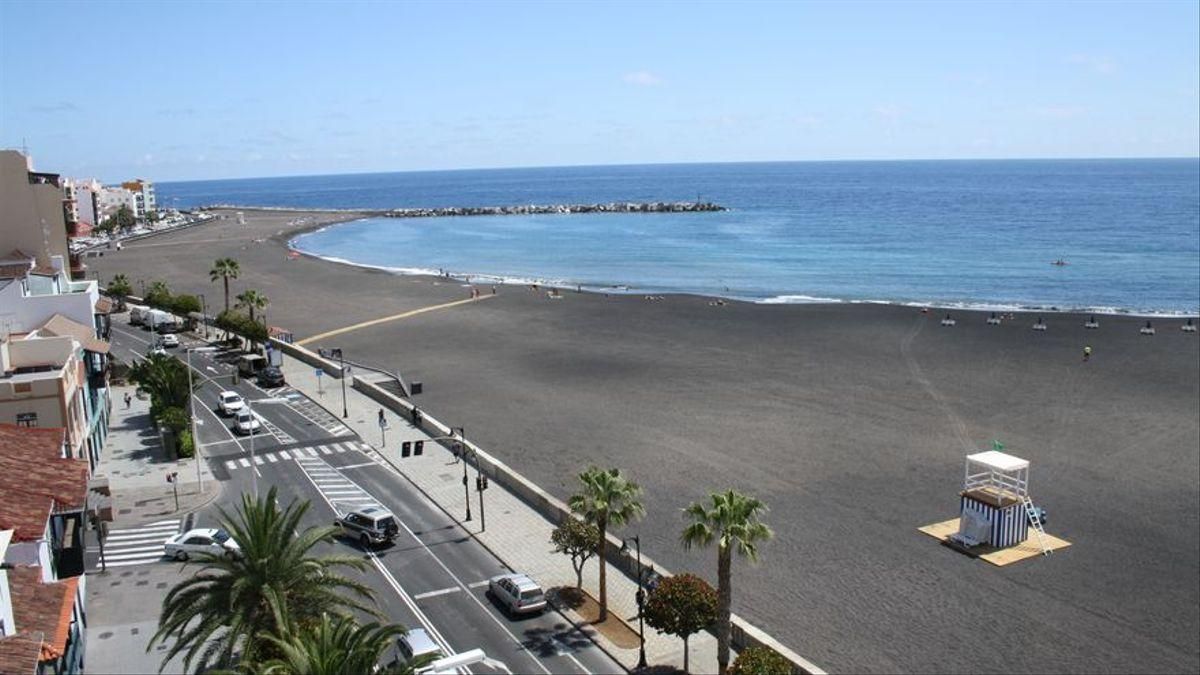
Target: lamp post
(192,413)
(460,450)
(641,598)
(250,409)
(342,364)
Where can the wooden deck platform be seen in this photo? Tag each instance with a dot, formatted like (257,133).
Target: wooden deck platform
(996,556)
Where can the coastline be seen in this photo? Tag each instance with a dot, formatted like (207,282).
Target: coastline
(849,420)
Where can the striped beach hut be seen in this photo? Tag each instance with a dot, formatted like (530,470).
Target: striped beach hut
(994,504)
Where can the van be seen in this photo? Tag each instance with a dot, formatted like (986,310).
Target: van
(137,314)
(250,364)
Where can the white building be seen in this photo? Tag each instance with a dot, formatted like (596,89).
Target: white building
(110,199)
(143,194)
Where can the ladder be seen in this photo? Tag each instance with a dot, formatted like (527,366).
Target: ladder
(1036,521)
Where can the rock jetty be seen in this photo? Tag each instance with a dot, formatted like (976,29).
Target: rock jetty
(532,209)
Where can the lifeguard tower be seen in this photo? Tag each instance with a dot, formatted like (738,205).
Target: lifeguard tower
(995,508)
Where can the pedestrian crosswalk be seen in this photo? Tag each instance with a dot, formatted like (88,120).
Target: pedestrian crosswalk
(313,412)
(343,494)
(136,545)
(302,453)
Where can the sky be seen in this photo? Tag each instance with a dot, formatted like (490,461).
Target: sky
(205,90)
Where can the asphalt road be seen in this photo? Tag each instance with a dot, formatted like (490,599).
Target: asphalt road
(434,576)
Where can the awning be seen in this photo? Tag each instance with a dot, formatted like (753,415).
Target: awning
(59,325)
(104,305)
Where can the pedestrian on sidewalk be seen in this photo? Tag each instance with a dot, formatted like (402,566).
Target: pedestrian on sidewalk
(128,400)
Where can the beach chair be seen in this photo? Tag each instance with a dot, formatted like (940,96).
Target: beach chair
(1188,327)
(1040,325)
(1091,323)
(948,321)
(1147,329)
(993,320)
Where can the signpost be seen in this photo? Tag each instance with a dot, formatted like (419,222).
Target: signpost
(319,372)
(173,479)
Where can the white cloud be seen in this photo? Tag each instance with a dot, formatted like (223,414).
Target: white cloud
(642,78)
(1098,64)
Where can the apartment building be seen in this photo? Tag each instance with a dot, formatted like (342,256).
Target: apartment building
(144,198)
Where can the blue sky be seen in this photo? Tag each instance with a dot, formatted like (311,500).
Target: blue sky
(176,91)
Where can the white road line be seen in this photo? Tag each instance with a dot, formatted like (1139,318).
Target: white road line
(114,545)
(339,448)
(230,464)
(325,449)
(258,460)
(141,534)
(311,451)
(135,549)
(478,584)
(358,466)
(244,462)
(283,454)
(434,594)
(271,458)
(128,563)
(132,556)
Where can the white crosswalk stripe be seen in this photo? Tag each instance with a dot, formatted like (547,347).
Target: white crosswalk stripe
(345,495)
(310,455)
(283,454)
(271,458)
(244,462)
(136,546)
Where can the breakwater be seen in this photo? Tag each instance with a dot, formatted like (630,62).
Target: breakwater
(532,209)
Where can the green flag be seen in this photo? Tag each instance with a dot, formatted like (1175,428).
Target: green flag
(997,446)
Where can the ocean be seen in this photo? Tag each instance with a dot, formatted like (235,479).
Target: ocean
(972,234)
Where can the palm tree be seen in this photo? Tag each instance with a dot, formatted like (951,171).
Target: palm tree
(252,300)
(607,498)
(165,378)
(733,521)
(225,269)
(335,646)
(218,612)
(119,288)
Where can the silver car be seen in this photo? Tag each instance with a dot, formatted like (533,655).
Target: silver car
(211,541)
(517,593)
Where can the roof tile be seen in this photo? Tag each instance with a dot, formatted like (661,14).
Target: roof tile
(34,476)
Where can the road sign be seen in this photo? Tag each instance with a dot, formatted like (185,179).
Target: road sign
(319,372)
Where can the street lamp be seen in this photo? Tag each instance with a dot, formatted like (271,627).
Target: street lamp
(204,314)
(460,449)
(342,362)
(250,409)
(192,413)
(641,597)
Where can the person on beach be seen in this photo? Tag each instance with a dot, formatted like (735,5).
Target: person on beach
(1087,352)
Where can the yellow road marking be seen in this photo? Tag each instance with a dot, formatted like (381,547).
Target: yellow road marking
(394,317)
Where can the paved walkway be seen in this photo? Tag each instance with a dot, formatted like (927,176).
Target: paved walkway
(137,465)
(516,532)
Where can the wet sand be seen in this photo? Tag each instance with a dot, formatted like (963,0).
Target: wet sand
(850,421)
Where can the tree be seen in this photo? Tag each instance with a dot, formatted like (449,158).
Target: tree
(760,661)
(119,289)
(607,498)
(122,219)
(166,379)
(158,294)
(336,646)
(224,269)
(221,610)
(578,540)
(252,300)
(733,521)
(184,304)
(681,605)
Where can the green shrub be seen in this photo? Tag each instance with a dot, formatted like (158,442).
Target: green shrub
(760,661)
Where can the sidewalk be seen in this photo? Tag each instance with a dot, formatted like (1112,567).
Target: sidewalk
(136,466)
(516,532)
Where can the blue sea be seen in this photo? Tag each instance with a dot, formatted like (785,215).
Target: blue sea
(943,233)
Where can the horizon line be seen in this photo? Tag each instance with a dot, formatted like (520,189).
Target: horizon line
(731,162)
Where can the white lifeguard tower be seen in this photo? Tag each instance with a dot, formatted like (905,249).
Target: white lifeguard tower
(994,503)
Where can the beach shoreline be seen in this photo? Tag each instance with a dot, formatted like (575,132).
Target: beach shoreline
(849,420)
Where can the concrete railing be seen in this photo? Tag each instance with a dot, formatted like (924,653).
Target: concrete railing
(743,634)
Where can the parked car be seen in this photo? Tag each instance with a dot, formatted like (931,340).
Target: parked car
(271,376)
(371,526)
(209,541)
(246,423)
(517,593)
(417,648)
(170,341)
(230,402)
(157,350)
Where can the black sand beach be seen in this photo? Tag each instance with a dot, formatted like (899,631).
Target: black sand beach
(850,421)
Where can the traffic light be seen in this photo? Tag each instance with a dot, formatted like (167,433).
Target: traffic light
(481,483)
(406,449)
(418,447)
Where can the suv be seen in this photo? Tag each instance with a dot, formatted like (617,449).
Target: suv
(271,376)
(371,526)
(170,340)
(517,593)
(230,402)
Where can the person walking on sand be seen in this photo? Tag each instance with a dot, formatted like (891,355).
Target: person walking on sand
(1087,352)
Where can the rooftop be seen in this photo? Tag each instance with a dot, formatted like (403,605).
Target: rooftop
(999,460)
(36,479)
(42,610)
(59,325)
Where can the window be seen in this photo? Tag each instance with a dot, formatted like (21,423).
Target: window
(23,387)
(27,419)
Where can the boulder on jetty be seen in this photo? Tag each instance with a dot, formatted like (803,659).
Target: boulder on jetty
(533,209)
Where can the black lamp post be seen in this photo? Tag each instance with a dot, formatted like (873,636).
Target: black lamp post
(342,361)
(460,451)
(641,598)
(204,313)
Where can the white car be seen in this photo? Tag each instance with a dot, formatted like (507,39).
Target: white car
(212,541)
(170,340)
(230,402)
(517,593)
(247,422)
(157,350)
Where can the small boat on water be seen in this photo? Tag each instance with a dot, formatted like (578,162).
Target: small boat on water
(1060,263)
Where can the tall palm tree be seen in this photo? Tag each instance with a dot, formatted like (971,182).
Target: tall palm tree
(252,300)
(607,498)
(217,613)
(165,378)
(335,646)
(225,269)
(732,519)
